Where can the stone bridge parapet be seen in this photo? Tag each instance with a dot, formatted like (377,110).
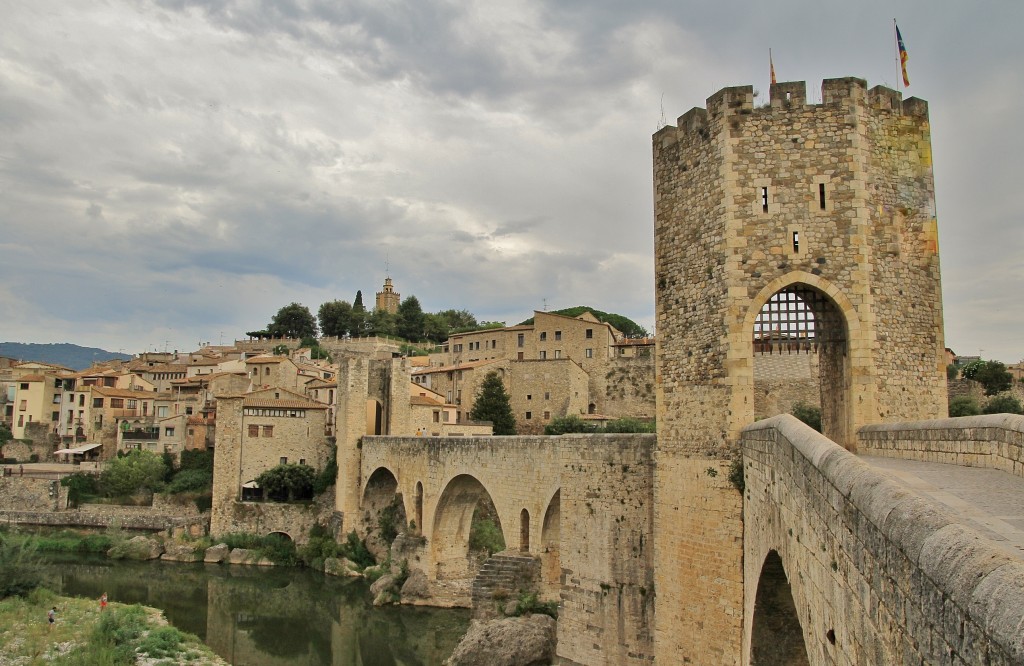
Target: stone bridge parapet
(995,441)
(877,574)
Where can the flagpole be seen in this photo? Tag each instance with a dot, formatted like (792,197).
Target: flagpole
(899,64)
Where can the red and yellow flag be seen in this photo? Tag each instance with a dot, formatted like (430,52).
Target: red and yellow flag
(904,57)
(771,66)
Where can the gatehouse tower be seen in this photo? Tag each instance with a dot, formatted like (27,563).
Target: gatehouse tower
(785,228)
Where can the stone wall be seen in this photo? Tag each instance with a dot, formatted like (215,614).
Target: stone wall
(783,380)
(878,575)
(263,518)
(540,391)
(627,387)
(607,610)
(995,440)
(23,493)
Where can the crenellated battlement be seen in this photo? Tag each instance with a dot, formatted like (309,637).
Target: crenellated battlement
(734,101)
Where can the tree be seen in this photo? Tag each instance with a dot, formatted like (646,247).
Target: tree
(435,328)
(380,322)
(293,321)
(994,377)
(410,319)
(357,304)
(336,319)
(138,470)
(492,404)
(951,371)
(288,482)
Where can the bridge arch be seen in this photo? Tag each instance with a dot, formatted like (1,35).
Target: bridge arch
(804,313)
(524,531)
(550,540)
(453,518)
(281,535)
(776,635)
(380,496)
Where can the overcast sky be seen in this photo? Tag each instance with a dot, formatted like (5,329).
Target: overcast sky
(174,172)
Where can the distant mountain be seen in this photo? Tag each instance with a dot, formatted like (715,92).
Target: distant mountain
(64,353)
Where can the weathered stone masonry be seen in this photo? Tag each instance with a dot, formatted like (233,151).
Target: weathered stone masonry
(835,199)
(878,574)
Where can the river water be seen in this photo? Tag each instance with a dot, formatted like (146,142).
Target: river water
(270,616)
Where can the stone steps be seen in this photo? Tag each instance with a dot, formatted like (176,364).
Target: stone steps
(501,578)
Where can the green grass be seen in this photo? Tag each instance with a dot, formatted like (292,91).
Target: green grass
(85,636)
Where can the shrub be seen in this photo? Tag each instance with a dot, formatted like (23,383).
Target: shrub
(485,535)
(18,561)
(528,604)
(389,522)
(963,406)
(629,425)
(568,424)
(161,643)
(1003,404)
(809,414)
(355,550)
(196,459)
(204,502)
(326,477)
(191,480)
(736,477)
(81,487)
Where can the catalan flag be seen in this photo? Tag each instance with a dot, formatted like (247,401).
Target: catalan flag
(904,57)
(771,66)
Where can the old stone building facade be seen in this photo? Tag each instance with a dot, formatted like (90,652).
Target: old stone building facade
(256,432)
(789,224)
(617,374)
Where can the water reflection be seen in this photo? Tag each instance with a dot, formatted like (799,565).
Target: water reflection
(267,617)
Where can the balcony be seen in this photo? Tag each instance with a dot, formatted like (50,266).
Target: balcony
(139,435)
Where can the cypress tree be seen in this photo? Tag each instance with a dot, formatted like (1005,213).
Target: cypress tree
(492,404)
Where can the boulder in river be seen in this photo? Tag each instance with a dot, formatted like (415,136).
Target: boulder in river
(510,641)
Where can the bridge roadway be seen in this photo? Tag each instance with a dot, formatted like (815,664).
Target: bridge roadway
(990,501)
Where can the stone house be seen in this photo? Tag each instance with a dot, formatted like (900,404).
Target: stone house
(269,371)
(256,432)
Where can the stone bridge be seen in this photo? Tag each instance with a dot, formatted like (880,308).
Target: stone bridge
(440,481)
(844,565)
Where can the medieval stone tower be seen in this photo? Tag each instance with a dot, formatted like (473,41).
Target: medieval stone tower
(785,228)
(388,299)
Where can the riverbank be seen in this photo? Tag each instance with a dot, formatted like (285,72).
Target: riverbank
(84,635)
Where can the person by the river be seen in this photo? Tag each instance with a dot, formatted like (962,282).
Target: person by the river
(51,616)
(103,602)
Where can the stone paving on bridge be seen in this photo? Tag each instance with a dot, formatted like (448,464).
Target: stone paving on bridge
(988,500)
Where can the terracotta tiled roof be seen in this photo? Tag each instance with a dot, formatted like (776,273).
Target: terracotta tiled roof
(266,359)
(31,378)
(322,383)
(281,404)
(424,400)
